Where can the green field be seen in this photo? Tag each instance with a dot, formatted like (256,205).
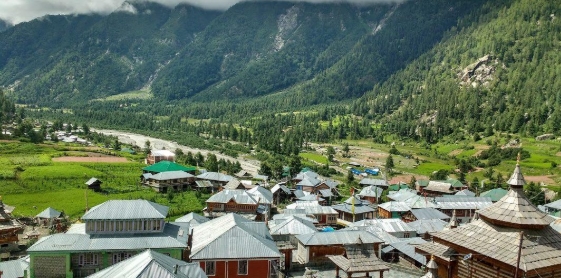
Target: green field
(315,158)
(31,181)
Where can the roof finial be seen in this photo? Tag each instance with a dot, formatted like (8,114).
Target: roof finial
(518,159)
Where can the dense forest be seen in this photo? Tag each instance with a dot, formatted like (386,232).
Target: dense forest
(280,75)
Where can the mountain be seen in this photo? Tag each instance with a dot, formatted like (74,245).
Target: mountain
(65,59)
(421,69)
(4,25)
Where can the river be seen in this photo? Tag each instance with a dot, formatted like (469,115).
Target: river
(250,166)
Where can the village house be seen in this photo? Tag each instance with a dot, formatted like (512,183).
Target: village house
(394,227)
(463,206)
(232,246)
(112,232)
(424,214)
(156,156)
(9,229)
(218,180)
(164,182)
(281,193)
(324,215)
(373,182)
(441,188)
(94,184)
(553,208)
(164,166)
(193,219)
(424,227)
(252,205)
(371,194)
(511,238)
(152,264)
(402,194)
(354,209)
(392,209)
(48,217)
(284,231)
(314,247)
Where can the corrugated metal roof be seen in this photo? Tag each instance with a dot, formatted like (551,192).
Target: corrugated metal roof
(311,197)
(14,268)
(193,219)
(174,236)
(312,208)
(281,187)
(309,181)
(77,228)
(292,225)
(409,250)
(303,175)
(495,194)
(463,202)
(390,225)
(299,193)
(418,202)
(232,236)
(263,193)
(331,183)
(326,193)
(170,175)
(377,231)
(465,192)
(554,205)
(152,264)
(429,213)
(338,238)
(215,176)
(203,184)
(91,181)
(165,166)
(428,225)
(358,208)
(377,182)
(369,191)
(395,206)
(127,209)
(403,194)
(49,213)
(240,196)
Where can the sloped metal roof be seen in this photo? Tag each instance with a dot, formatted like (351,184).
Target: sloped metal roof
(281,187)
(465,192)
(428,225)
(263,193)
(14,268)
(331,183)
(312,208)
(170,175)
(338,238)
(418,202)
(408,250)
(152,264)
(309,181)
(370,191)
(429,213)
(311,197)
(193,219)
(463,202)
(395,206)
(495,194)
(77,228)
(303,175)
(203,183)
(378,182)
(215,176)
(91,181)
(326,193)
(403,194)
(240,196)
(292,225)
(172,237)
(376,231)
(49,213)
(164,166)
(390,225)
(439,186)
(232,237)
(126,209)
(554,205)
(234,184)
(348,208)
(299,193)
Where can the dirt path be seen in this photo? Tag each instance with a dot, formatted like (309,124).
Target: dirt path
(251,166)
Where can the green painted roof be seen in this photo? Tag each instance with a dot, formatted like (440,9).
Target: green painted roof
(423,183)
(495,194)
(397,186)
(166,166)
(454,183)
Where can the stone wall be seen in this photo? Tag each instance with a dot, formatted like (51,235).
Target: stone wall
(50,266)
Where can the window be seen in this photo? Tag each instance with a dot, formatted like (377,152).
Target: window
(156,225)
(88,259)
(89,226)
(101,226)
(117,257)
(210,268)
(242,267)
(406,235)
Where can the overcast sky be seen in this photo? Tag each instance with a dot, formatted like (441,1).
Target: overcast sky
(16,11)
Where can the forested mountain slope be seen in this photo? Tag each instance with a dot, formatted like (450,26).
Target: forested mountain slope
(498,72)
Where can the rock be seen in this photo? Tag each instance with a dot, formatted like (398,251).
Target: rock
(545,137)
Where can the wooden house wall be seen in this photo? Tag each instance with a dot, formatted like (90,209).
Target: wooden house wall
(258,268)
(475,269)
(232,207)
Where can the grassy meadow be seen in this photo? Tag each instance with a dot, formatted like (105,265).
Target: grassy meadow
(31,181)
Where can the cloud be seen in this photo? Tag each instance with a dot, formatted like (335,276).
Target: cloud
(16,11)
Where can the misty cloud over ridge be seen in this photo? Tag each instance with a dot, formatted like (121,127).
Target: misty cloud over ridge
(16,11)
